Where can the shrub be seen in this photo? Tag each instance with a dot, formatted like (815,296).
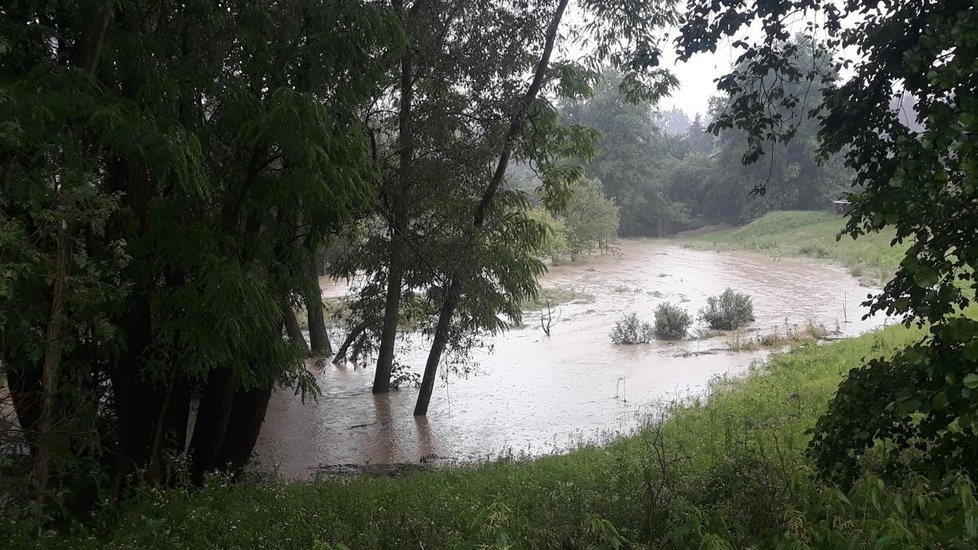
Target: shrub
(728,311)
(671,322)
(629,329)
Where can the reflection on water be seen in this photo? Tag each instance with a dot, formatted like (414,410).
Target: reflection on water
(537,394)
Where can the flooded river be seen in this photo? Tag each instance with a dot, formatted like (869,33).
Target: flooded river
(536,394)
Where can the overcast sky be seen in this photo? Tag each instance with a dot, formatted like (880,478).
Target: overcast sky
(696,80)
(696,76)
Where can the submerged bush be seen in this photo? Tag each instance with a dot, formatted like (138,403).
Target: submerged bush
(629,329)
(728,311)
(671,322)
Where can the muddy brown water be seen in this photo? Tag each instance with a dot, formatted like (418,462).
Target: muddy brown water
(534,394)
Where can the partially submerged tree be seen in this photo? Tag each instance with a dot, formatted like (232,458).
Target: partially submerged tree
(458,109)
(498,239)
(167,171)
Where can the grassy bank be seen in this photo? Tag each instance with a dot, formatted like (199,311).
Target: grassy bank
(726,472)
(811,234)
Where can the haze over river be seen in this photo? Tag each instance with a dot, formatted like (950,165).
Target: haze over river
(537,394)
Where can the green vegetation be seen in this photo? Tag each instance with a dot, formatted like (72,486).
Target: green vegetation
(629,329)
(914,173)
(723,472)
(781,337)
(812,234)
(172,174)
(671,322)
(728,311)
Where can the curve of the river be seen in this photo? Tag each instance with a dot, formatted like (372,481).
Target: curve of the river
(536,394)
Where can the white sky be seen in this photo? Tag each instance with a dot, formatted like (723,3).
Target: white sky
(696,80)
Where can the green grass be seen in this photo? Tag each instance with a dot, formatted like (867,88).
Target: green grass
(812,234)
(724,472)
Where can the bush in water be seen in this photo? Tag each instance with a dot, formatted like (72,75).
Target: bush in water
(629,329)
(671,322)
(728,311)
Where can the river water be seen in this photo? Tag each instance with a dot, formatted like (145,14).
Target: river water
(535,394)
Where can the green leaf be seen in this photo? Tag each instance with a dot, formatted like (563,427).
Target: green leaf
(971,381)
(971,350)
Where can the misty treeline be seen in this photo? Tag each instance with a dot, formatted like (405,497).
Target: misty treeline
(669,173)
(175,177)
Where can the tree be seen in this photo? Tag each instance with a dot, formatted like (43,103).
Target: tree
(591,218)
(631,157)
(500,241)
(921,182)
(162,195)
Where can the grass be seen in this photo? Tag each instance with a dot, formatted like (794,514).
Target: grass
(727,471)
(812,234)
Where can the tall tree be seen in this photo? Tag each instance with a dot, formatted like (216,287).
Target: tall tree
(154,200)
(531,130)
(632,157)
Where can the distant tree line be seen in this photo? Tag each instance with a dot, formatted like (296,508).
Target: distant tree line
(667,173)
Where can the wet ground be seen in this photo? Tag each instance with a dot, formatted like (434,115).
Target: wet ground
(537,394)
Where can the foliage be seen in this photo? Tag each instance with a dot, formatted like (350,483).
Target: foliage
(447,221)
(185,164)
(629,329)
(728,311)
(671,321)
(668,173)
(925,403)
(591,218)
(403,376)
(917,178)
(554,245)
(721,189)
(630,156)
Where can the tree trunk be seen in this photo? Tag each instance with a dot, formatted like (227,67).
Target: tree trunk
(87,58)
(137,401)
(292,327)
(227,426)
(247,416)
(452,292)
(437,347)
(213,416)
(355,333)
(170,437)
(392,304)
(52,360)
(318,336)
(399,225)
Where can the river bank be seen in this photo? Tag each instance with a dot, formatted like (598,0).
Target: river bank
(727,471)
